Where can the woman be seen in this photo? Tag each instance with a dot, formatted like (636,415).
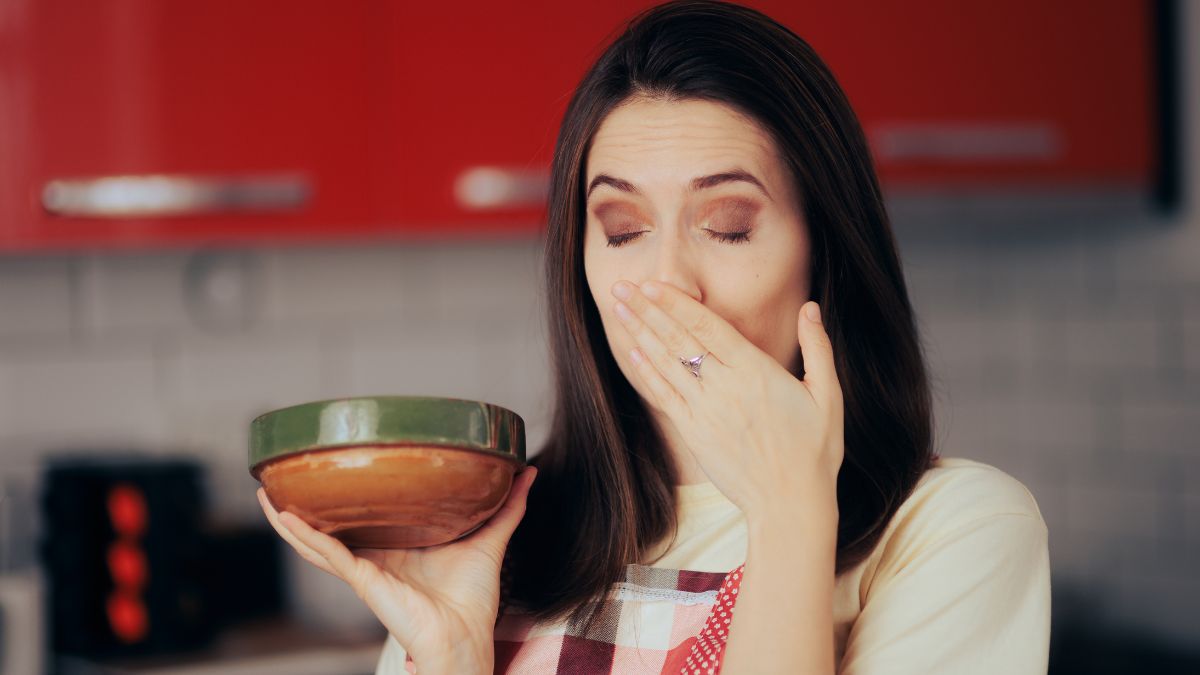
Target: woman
(742,411)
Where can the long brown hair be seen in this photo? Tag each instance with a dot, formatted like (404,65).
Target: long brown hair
(605,493)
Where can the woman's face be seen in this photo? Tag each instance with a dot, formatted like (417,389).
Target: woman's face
(693,194)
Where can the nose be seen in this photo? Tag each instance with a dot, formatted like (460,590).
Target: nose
(673,265)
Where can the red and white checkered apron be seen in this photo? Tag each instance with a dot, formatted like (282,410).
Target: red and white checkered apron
(657,621)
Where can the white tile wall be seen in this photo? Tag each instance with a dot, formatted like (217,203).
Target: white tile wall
(67,395)
(1188,505)
(337,284)
(132,294)
(1091,398)
(35,298)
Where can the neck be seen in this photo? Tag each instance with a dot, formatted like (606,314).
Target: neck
(689,470)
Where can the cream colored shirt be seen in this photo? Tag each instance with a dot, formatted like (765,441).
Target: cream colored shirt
(959,583)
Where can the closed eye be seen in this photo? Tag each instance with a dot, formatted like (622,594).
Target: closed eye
(622,239)
(735,237)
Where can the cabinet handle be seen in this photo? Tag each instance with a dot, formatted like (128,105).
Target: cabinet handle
(489,187)
(174,195)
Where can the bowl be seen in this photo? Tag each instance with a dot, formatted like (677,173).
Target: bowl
(389,471)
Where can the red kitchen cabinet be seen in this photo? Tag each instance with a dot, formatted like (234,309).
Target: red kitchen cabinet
(315,120)
(262,114)
(1023,93)
(250,122)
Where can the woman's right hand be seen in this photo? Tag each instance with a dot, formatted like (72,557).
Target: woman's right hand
(439,602)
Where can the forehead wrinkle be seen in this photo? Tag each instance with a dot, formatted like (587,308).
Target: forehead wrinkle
(634,161)
(690,119)
(619,146)
(671,138)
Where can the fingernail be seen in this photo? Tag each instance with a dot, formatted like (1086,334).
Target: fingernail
(623,290)
(814,313)
(651,290)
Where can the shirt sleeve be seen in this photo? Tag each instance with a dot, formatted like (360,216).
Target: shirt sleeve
(391,660)
(975,600)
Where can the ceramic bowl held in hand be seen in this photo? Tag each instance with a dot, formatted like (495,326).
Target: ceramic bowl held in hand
(389,471)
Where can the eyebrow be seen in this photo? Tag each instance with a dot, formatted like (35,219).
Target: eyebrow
(701,183)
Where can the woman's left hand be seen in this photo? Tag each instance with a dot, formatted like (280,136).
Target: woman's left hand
(762,436)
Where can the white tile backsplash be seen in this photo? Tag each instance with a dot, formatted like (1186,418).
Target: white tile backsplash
(337,284)
(253,372)
(1088,397)
(423,361)
(86,397)
(35,298)
(1189,341)
(1189,509)
(1113,345)
(494,280)
(132,294)
(1161,427)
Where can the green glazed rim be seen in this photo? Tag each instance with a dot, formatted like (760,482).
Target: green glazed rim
(386,420)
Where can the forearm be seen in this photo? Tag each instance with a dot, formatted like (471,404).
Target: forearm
(464,658)
(455,666)
(783,619)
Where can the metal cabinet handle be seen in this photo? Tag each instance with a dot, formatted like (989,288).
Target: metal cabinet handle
(489,187)
(174,195)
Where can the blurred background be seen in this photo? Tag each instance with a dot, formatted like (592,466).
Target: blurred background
(209,210)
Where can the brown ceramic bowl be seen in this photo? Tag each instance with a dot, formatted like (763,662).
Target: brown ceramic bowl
(389,471)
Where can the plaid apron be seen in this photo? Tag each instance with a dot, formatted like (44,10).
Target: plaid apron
(657,621)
